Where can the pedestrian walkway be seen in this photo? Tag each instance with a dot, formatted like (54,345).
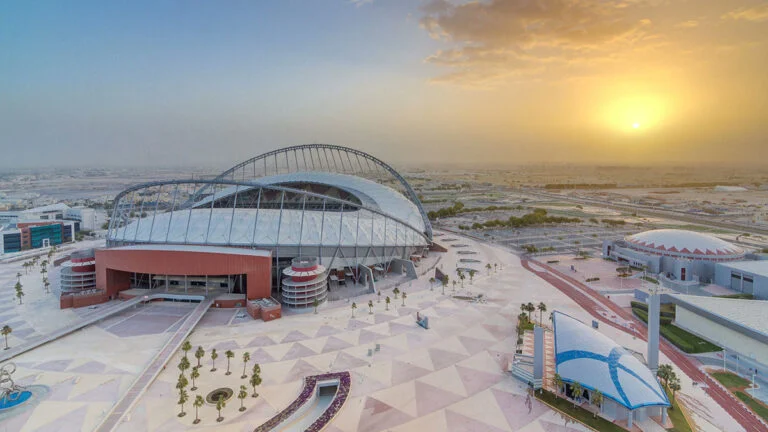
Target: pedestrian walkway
(154,368)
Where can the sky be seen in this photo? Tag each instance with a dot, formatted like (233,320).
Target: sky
(489,82)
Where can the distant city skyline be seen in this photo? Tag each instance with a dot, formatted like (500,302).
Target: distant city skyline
(498,82)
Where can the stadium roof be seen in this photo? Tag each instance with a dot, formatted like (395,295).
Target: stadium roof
(745,316)
(683,243)
(595,361)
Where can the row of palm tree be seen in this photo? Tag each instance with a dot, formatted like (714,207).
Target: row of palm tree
(5,331)
(182,383)
(530,308)
(596,397)
(387,302)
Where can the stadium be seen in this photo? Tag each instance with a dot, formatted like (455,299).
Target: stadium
(287,224)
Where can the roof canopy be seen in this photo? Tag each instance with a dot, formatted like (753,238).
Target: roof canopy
(586,356)
(682,243)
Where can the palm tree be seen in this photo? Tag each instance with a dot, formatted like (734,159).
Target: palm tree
(195,374)
(577,389)
(370,307)
(387,301)
(46,284)
(242,394)
(471,276)
(315,304)
(199,354)
(488,267)
(354,306)
(396,291)
(255,379)
(494,267)
(444,283)
(183,364)
(183,398)
(542,308)
(597,399)
(461,278)
(214,356)
(379,294)
(674,385)
(530,308)
(432,284)
(18,275)
(186,346)
(404,296)
(454,286)
(6,330)
(19,291)
(557,381)
(182,383)
(229,354)
(198,402)
(246,359)
(220,404)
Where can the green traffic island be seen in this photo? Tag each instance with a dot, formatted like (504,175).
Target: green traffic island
(676,415)
(738,386)
(578,413)
(682,339)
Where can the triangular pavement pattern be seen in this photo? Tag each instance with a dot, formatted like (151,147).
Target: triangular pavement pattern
(430,398)
(335,344)
(515,410)
(106,392)
(344,361)
(396,328)
(367,336)
(294,336)
(300,370)
(61,391)
(90,367)
(222,347)
(259,341)
(383,317)
(364,385)
(354,324)
(261,356)
(401,397)
(54,365)
(473,345)
(72,421)
(378,416)
(298,350)
(441,358)
(447,379)
(326,330)
(460,423)
(475,380)
(402,372)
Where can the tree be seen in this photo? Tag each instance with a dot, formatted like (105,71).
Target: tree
(542,308)
(354,306)
(488,267)
(195,374)
(315,304)
(186,346)
(557,381)
(18,275)
(242,394)
(183,398)
(6,330)
(577,389)
(214,356)
(665,373)
(404,297)
(494,267)
(530,308)
(431,284)
(198,402)
(471,276)
(396,291)
(229,355)
(379,294)
(444,282)
(387,301)
(370,307)
(19,291)
(674,385)
(246,359)
(220,404)
(461,278)
(183,364)
(597,399)
(255,379)
(46,284)
(454,286)
(199,354)
(182,383)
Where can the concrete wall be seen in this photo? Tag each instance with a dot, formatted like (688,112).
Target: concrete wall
(723,278)
(114,266)
(731,340)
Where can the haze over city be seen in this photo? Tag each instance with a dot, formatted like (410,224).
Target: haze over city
(502,82)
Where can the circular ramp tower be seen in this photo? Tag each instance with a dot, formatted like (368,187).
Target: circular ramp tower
(305,282)
(79,273)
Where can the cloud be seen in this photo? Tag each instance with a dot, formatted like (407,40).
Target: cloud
(689,24)
(496,39)
(753,14)
(359,3)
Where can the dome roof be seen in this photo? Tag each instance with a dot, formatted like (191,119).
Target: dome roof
(593,359)
(682,243)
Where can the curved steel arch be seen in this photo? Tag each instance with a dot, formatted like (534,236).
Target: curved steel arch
(410,193)
(249,185)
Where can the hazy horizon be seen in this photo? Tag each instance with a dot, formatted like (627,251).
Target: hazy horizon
(492,84)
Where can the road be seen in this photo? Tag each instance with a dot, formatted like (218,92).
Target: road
(723,397)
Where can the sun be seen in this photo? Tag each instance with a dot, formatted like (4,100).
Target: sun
(635,125)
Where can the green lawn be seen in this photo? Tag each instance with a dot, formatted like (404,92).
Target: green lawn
(754,405)
(730,380)
(650,279)
(579,413)
(676,416)
(688,342)
(738,296)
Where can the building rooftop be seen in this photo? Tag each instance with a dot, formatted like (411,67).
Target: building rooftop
(197,248)
(587,356)
(759,267)
(684,243)
(749,315)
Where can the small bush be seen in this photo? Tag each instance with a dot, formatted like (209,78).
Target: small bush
(639,305)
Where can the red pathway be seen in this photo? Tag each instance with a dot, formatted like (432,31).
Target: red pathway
(745,417)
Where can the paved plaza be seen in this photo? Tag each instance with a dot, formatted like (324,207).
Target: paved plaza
(451,377)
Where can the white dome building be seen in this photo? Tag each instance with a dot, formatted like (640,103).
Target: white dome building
(677,255)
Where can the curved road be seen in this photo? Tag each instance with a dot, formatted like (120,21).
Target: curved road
(745,417)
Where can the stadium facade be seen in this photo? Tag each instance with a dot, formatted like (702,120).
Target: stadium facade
(348,211)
